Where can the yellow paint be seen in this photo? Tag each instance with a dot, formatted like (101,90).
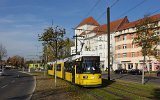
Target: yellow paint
(50,72)
(93,79)
(68,76)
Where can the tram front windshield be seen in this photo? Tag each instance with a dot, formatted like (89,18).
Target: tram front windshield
(90,66)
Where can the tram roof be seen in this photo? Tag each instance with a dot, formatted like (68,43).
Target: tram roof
(74,57)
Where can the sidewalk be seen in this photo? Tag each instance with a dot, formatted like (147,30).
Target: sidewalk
(149,79)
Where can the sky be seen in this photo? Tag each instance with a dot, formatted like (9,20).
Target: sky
(22,20)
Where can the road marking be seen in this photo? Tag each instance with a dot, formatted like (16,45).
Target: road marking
(4,86)
(12,81)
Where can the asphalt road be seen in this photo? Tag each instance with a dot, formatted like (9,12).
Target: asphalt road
(134,78)
(15,85)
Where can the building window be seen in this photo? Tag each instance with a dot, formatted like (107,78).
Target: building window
(137,53)
(133,54)
(118,38)
(96,47)
(100,46)
(100,38)
(130,66)
(72,51)
(132,45)
(104,55)
(110,45)
(119,55)
(119,47)
(87,42)
(124,46)
(124,54)
(100,54)
(124,37)
(158,43)
(111,37)
(158,53)
(132,35)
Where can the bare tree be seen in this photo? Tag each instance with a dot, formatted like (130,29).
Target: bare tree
(3,52)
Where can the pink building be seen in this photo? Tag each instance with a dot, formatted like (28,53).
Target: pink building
(127,54)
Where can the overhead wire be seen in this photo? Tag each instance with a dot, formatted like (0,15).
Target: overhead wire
(140,3)
(114,3)
(103,13)
(155,11)
(94,6)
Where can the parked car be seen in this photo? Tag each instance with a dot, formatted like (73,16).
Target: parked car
(135,72)
(120,71)
(158,73)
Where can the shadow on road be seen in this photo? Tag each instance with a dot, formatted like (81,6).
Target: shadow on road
(106,82)
(156,94)
(7,75)
(121,76)
(50,93)
(23,97)
(149,78)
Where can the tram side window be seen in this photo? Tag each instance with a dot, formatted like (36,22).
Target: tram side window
(79,68)
(59,67)
(49,67)
(68,66)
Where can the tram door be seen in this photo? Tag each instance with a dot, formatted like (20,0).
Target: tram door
(63,72)
(73,74)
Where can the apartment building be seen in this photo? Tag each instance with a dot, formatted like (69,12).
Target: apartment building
(92,39)
(127,54)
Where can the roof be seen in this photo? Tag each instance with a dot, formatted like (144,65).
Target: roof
(89,21)
(114,25)
(134,23)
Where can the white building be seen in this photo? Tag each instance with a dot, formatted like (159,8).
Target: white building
(94,40)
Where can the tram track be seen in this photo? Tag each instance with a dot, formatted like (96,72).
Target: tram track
(123,91)
(90,92)
(116,94)
(96,96)
(127,91)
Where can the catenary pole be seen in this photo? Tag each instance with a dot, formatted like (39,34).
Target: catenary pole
(108,35)
(55,66)
(76,44)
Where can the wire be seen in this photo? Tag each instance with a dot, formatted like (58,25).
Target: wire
(155,11)
(132,8)
(98,1)
(114,3)
(102,14)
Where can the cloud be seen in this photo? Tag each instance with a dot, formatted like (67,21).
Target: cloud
(5,20)
(23,26)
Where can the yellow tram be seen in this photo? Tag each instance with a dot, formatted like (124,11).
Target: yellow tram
(80,70)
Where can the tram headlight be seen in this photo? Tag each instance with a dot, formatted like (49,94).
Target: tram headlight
(85,77)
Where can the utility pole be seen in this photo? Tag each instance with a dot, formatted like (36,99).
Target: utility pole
(76,41)
(144,59)
(55,66)
(108,35)
(46,59)
(76,44)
